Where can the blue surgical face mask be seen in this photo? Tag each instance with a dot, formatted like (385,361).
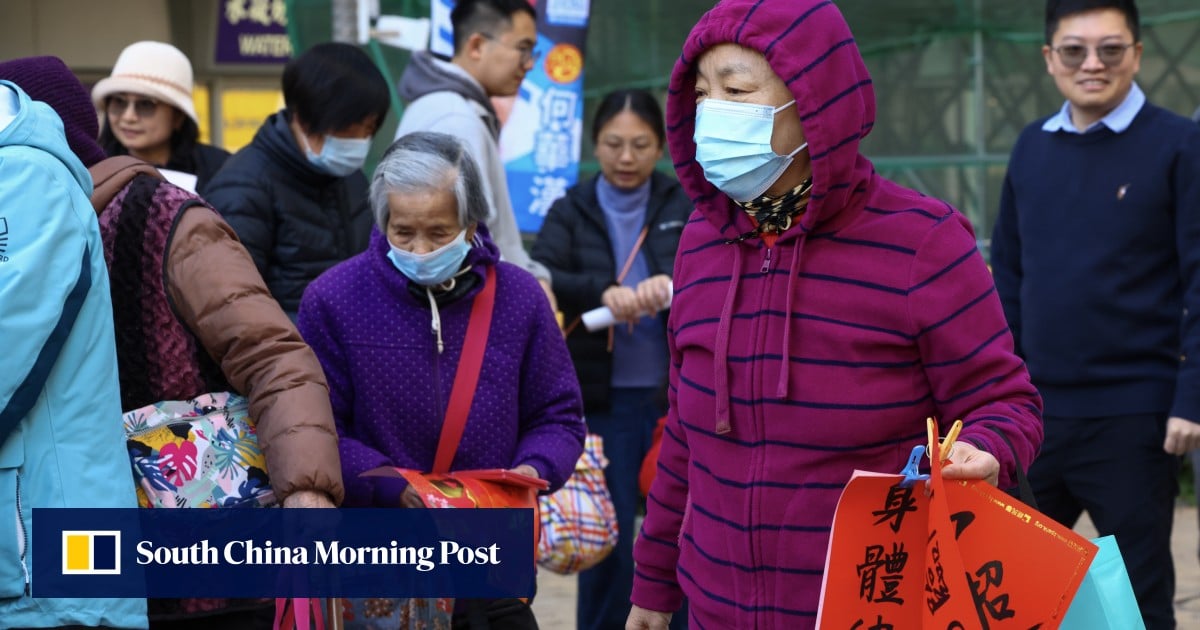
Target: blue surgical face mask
(435,267)
(733,146)
(339,156)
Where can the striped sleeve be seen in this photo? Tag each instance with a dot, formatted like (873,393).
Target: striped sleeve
(967,349)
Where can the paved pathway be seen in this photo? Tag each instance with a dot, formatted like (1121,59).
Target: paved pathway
(555,602)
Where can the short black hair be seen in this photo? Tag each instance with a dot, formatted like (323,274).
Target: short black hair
(485,16)
(640,102)
(334,85)
(1056,10)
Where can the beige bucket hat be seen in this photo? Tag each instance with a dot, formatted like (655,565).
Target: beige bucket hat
(160,71)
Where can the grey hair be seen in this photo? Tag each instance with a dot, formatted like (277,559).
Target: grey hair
(425,161)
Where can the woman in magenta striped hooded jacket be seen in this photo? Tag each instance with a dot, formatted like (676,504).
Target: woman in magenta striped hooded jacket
(821,314)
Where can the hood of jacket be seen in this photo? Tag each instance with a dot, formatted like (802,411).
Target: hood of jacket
(817,58)
(426,74)
(809,46)
(34,124)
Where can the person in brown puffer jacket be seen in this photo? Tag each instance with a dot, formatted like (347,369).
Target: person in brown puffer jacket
(193,316)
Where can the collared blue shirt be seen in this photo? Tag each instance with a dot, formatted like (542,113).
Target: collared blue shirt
(1118,119)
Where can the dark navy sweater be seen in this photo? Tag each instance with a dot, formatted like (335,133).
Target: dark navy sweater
(1096,254)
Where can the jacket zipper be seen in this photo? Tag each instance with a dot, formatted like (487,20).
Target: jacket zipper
(437,383)
(23,536)
(757,463)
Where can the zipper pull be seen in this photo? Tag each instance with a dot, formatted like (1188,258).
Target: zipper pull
(766,266)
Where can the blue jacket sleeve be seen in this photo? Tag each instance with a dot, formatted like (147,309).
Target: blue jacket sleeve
(44,273)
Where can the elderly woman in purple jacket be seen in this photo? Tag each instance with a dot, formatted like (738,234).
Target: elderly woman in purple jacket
(388,326)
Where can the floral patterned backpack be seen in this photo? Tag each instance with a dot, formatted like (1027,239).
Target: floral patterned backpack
(199,453)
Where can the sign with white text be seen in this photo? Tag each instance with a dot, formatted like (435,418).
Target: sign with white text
(540,143)
(252,31)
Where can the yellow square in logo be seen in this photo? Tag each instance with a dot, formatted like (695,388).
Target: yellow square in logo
(91,552)
(78,552)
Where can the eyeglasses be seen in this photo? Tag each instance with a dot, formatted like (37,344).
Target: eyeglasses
(528,53)
(1073,55)
(142,107)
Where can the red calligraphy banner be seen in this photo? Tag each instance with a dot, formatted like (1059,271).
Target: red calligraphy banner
(966,556)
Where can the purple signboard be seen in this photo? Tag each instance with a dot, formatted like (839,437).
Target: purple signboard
(252,31)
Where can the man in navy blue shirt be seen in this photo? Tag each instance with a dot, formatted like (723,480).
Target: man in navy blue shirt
(1096,254)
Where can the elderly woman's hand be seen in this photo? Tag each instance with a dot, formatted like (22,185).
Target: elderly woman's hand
(308,499)
(642,619)
(410,498)
(971,463)
(527,470)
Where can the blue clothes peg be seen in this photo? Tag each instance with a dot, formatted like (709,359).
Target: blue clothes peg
(911,469)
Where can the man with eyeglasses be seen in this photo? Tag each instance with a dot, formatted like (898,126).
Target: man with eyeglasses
(1096,253)
(493,49)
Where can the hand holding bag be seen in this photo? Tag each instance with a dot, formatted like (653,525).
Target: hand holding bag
(961,554)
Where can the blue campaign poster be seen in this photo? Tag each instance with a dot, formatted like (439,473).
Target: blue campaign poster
(541,140)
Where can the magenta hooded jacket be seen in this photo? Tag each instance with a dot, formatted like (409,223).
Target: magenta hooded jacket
(794,365)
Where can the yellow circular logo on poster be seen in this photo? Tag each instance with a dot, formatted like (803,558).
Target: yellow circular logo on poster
(564,63)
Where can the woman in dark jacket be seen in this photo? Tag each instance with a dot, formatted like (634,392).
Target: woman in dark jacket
(148,113)
(296,195)
(611,242)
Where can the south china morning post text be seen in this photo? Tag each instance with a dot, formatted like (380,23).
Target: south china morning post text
(466,553)
(332,552)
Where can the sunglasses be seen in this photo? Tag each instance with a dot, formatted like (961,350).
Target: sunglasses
(142,107)
(1073,55)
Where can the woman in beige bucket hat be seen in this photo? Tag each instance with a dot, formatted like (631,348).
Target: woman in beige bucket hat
(148,111)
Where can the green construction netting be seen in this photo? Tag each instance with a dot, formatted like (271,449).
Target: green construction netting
(956,80)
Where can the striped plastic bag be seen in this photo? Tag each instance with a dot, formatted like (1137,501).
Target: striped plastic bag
(579,522)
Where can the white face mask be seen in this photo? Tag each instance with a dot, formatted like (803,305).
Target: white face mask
(339,156)
(733,146)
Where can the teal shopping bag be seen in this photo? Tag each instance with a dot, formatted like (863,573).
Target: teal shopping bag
(1105,600)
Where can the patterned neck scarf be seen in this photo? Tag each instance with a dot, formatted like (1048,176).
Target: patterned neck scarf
(775,214)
